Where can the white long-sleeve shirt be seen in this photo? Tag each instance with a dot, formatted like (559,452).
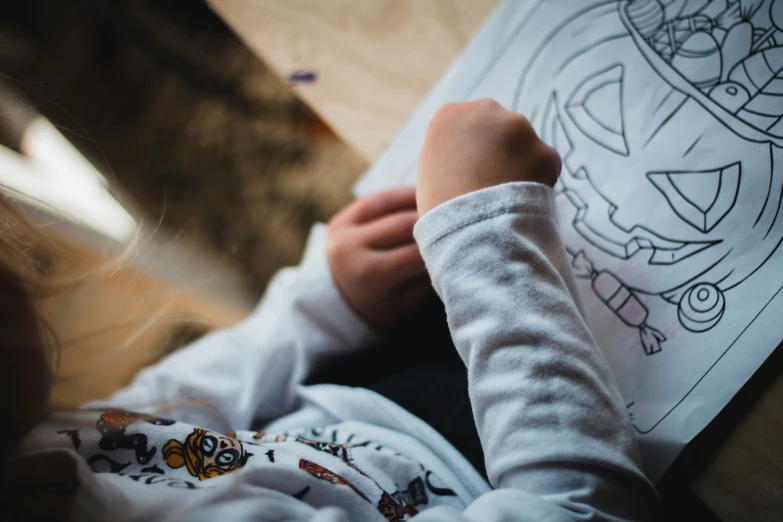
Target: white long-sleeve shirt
(557,443)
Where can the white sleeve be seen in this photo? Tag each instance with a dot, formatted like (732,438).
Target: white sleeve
(550,417)
(250,371)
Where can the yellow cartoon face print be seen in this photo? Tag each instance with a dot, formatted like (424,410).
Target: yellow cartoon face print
(206,454)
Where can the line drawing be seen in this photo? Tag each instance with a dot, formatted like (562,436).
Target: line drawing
(685,98)
(668,115)
(620,299)
(729,347)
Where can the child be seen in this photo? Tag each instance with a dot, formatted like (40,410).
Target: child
(223,429)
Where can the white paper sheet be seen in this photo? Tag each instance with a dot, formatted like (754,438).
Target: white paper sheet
(668,116)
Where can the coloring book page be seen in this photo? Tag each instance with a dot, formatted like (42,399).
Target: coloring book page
(668,115)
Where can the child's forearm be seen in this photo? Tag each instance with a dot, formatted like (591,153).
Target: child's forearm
(548,411)
(250,371)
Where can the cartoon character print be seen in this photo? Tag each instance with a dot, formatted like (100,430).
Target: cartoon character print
(206,454)
(328,475)
(112,425)
(388,506)
(341,451)
(415,493)
(393,506)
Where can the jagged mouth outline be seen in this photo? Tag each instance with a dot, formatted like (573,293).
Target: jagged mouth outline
(665,251)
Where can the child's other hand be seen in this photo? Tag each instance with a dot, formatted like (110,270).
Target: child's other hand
(374,258)
(471,146)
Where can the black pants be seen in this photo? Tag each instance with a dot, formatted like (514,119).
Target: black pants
(419,369)
(439,396)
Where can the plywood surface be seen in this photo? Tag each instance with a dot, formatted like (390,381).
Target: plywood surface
(374,60)
(742,480)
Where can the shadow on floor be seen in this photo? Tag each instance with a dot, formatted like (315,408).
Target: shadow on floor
(198,135)
(164,99)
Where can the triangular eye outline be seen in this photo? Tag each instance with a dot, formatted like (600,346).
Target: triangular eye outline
(702,220)
(588,123)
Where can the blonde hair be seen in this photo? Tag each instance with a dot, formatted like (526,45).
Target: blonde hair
(27,344)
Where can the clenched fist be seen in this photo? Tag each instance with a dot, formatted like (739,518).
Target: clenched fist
(374,259)
(471,146)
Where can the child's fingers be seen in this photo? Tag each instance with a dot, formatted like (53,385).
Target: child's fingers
(380,204)
(391,231)
(403,262)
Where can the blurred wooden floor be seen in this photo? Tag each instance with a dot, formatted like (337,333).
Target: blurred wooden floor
(200,136)
(167,101)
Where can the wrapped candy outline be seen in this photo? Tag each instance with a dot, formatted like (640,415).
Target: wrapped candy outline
(620,299)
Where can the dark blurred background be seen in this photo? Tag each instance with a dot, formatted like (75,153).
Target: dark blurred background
(166,101)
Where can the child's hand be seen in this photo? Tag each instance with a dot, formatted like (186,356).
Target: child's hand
(476,145)
(374,259)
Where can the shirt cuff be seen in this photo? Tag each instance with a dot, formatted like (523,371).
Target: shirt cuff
(319,281)
(517,197)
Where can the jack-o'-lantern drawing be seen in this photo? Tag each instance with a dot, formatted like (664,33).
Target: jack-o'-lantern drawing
(669,117)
